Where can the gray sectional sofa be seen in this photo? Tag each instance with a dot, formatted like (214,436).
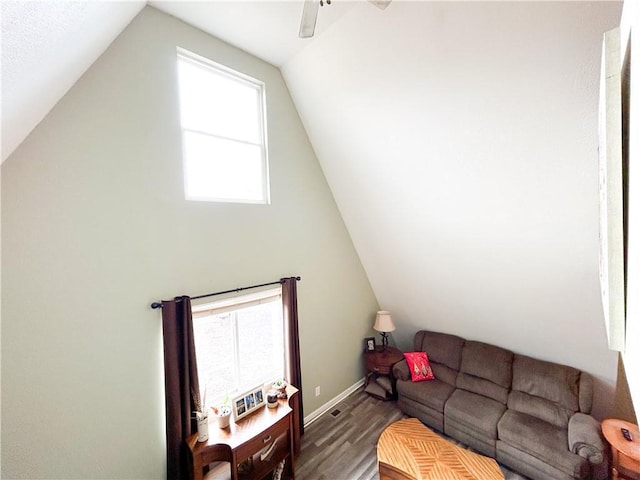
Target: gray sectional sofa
(530,415)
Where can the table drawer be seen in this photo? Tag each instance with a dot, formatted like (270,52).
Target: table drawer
(381,369)
(370,362)
(263,440)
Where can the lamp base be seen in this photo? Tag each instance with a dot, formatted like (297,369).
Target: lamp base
(385,340)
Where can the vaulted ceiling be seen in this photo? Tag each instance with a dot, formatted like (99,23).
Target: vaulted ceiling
(459,140)
(47,46)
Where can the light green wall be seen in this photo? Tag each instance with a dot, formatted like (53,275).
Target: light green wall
(95,227)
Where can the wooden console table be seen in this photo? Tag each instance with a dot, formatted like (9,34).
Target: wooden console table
(247,439)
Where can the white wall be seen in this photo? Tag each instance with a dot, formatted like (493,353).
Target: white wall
(95,228)
(631,357)
(460,142)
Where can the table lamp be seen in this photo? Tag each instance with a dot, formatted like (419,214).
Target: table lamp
(384,324)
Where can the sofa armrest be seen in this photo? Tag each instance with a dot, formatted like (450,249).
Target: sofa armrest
(401,371)
(585,438)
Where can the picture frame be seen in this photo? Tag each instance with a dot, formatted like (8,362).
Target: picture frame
(370,344)
(248,402)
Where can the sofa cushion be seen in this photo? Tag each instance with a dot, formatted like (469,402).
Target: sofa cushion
(485,370)
(425,414)
(443,349)
(385,382)
(540,408)
(487,361)
(482,387)
(541,440)
(475,412)
(433,394)
(444,373)
(545,390)
(418,364)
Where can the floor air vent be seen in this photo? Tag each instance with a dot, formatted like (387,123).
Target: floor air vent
(335,413)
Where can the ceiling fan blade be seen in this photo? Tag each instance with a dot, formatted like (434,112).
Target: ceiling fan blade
(309,16)
(381,4)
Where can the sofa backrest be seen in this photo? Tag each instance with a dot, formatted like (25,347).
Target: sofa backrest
(444,352)
(547,390)
(486,370)
(585,397)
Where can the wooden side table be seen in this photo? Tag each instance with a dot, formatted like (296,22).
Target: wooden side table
(381,362)
(625,455)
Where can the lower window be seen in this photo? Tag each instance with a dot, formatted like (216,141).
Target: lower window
(239,344)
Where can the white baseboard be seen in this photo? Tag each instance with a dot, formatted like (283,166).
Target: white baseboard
(313,416)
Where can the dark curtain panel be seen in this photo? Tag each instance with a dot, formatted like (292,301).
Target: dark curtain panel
(181,383)
(291,337)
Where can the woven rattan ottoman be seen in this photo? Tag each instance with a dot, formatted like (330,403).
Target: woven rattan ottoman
(407,449)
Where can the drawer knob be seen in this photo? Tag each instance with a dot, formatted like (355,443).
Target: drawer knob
(266,439)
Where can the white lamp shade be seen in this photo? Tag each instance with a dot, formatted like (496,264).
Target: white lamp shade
(384,322)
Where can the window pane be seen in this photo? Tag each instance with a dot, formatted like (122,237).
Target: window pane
(222,169)
(224,132)
(260,344)
(215,103)
(238,349)
(215,354)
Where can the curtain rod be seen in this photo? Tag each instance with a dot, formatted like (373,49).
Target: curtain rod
(239,289)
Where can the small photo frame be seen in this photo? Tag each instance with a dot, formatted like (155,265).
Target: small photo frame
(248,402)
(259,397)
(370,344)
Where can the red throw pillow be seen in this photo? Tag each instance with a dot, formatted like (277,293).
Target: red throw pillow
(419,367)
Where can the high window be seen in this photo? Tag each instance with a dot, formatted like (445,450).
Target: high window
(239,344)
(224,141)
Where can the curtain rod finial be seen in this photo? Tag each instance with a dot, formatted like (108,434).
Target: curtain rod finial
(155,305)
(282,280)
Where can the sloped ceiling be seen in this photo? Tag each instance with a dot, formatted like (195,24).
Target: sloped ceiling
(48,45)
(459,140)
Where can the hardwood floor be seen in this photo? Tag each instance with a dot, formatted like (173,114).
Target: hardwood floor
(342,446)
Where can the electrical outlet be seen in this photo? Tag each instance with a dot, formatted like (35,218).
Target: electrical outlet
(317,391)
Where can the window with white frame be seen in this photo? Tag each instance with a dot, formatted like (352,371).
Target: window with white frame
(239,344)
(224,140)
